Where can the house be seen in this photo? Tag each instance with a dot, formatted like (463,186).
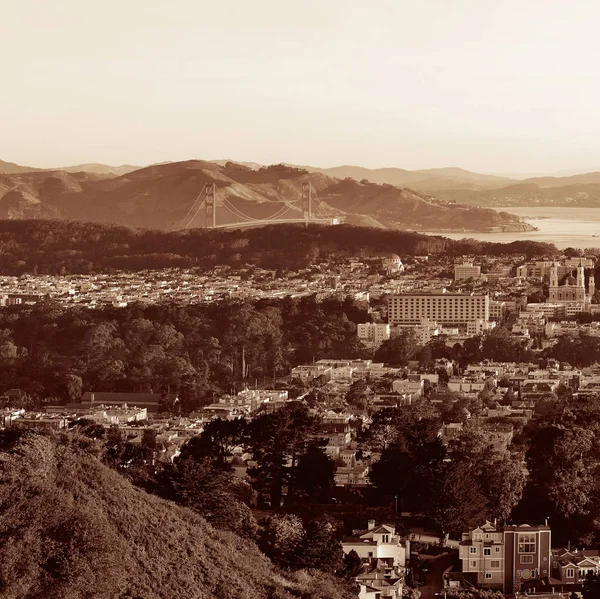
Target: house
(512,558)
(352,475)
(378,580)
(384,556)
(378,542)
(572,566)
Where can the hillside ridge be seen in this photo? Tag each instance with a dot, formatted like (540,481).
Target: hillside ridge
(72,527)
(162,195)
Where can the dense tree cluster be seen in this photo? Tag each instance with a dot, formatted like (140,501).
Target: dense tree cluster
(62,247)
(456,487)
(195,351)
(563,458)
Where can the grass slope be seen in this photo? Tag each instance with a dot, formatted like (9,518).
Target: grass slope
(72,528)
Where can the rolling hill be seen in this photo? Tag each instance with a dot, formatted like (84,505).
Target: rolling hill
(162,195)
(421,180)
(11,167)
(531,192)
(101,169)
(71,528)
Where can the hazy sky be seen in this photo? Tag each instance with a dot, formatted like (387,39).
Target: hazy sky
(505,86)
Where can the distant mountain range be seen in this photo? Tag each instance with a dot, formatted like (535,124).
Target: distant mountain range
(163,195)
(421,180)
(474,189)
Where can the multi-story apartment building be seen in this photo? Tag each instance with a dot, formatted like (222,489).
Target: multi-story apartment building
(466,270)
(509,558)
(498,309)
(442,307)
(373,332)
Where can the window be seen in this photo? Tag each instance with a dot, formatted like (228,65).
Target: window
(385,538)
(570,572)
(496,549)
(495,563)
(473,564)
(488,575)
(370,554)
(487,551)
(526,543)
(527,559)
(472,549)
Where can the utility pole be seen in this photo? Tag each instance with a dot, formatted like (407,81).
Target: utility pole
(211,206)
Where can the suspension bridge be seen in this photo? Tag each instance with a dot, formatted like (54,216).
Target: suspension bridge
(209,203)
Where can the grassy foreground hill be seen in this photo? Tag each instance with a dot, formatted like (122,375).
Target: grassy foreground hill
(73,528)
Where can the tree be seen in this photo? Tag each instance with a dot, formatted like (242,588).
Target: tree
(496,474)
(408,471)
(275,440)
(314,476)
(208,490)
(358,394)
(321,550)
(399,349)
(382,431)
(218,440)
(282,539)
(458,504)
(352,564)
(74,386)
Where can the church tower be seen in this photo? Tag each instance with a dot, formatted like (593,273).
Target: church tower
(592,286)
(553,275)
(580,276)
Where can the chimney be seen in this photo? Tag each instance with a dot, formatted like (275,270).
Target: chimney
(371,524)
(92,399)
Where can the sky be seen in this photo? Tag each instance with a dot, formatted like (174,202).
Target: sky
(510,87)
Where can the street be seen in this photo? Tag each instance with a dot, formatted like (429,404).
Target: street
(434,578)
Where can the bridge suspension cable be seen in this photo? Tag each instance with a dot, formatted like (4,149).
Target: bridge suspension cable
(207,199)
(195,207)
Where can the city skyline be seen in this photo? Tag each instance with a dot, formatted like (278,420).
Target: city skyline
(503,89)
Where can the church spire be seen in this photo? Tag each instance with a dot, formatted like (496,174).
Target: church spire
(554,275)
(580,275)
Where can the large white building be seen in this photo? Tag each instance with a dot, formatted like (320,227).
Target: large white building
(466,270)
(442,307)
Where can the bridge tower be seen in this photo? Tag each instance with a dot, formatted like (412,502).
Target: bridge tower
(210,207)
(307,202)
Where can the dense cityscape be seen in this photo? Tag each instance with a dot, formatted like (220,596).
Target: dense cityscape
(380,418)
(299,300)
